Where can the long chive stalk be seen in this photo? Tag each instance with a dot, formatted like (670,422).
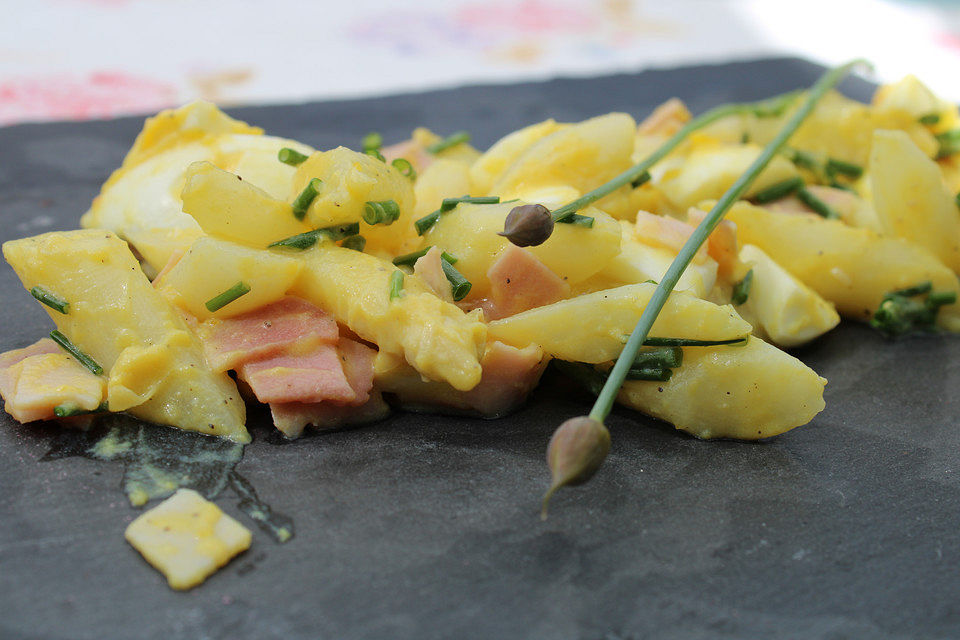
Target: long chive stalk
(635,174)
(604,402)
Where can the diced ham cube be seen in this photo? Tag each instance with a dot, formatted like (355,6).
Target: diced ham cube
(357,362)
(316,375)
(292,417)
(722,245)
(36,379)
(429,269)
(519,281)
(264,332)
(666,119)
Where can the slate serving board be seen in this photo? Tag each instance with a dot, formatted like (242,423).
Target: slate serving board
(426,527)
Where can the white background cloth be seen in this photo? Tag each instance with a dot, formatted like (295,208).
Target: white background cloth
(79,59)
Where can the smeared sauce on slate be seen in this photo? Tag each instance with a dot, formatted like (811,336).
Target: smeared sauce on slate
(159,460)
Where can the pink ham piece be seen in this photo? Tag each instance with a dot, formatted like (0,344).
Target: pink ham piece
(663,231)
(519,281)
(341,374)
(428,268)
(509,374)
(357,362)
(291,418)
(313,375)
(36,379)
(411,151)
(840,200)
(264,333)
(666,119)
(722,245)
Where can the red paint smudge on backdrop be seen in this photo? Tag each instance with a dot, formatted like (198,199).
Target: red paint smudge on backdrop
(528,16)
(100,94)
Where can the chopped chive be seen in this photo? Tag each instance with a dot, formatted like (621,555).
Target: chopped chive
(741,290)
(949,143)
(409,259)
(450,141)
(73,350)
(291,157)
(846,168)
(357,243)
(449,204)
(819,206)
(941,298)
(307,239)
(221,300)
(404,167)
(577,219)
(844,187)
(459,285)
(372,140)
(652,374)
(903,311)
(306,198)
(929,119)
(916,290)
(396,284)
(70,410)
(776,106)
(956,199)
(778,190)
(804,160)
(425,223)
(611,387)
(658,357)
(384,212)
(690,342)
(303,240)
(339,231)
(50,299)
(449,257)
(744,138)
(640,180)
(376,154)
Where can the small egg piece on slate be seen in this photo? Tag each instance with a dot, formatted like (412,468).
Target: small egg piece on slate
(187,538)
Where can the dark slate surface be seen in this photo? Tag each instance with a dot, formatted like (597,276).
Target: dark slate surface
(426,527)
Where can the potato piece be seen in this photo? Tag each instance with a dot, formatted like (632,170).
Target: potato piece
(910,199)
(435,337)
(231,209)
(639,262)
(574,253)
(709,170)
(123,323)
(212,266)
(463,152)
(350,180)
(141,200)
(442,179)
(789,312)
(914,98)
(852,268)
(842,128)
(491,165)
(746,391)
(592,328)
(583,156)
(509,375)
